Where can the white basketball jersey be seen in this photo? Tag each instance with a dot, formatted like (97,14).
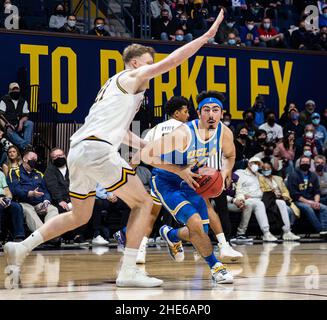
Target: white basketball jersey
(161,129)
(111,114)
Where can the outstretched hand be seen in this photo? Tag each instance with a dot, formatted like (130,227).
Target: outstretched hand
(214,28)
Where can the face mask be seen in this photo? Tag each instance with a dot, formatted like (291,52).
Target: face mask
(14,95)
(295,116)
(230,24)
(305,167)
(259,105)
(60,12)
(271,121)
(100,27)
(268,152)
(71,23)
(243,136)
(165,18)
(320,167)
(309,134)
(179,37)
(325,14)
(261,140)
(307,153)
(7,6)
(254,168)
(198,6)
(266,173)
(183,20)
(31,163)
(59,162)
(266,25)
(250,26)
(316,121)
(231,41)
(249,119)
(227,123)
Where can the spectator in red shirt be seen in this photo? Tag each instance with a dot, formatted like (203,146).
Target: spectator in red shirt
(270,36)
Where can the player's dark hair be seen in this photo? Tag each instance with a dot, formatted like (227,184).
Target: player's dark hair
(175,103)
(209,94)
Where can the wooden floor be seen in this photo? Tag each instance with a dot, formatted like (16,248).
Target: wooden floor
(269,271)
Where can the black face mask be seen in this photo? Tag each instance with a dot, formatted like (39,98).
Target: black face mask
(305,167)
(165,19)
(14,95)
(271,121)
(268,152)
(59,162)
(243,136)
(249,120)
(320,168)
(60,12)
(31,163)
(261,140)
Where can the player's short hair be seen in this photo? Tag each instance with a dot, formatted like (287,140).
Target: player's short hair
(209,94)
(175,103)
(136,50)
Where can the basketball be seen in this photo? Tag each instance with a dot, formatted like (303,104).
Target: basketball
(211,183)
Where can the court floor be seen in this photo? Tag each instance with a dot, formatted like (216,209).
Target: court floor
(269,271)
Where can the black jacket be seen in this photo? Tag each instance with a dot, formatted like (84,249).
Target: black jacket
(57,185)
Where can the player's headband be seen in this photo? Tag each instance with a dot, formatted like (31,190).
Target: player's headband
(210,100)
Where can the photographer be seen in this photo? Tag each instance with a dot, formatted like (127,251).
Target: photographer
(11,208)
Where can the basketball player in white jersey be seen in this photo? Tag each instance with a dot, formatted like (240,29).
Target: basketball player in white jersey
(177,110)
(93,158)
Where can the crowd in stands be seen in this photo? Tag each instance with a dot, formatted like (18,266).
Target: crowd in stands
(248,23)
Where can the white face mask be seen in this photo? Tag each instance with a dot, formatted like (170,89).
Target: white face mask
(254,168)
(250,26)
(227,123)
(230,24)
(71,23)
(309,134)
(7,5)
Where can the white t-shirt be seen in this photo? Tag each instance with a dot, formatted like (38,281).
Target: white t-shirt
(273,133)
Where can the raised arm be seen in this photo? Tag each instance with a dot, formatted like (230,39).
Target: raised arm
(178,56)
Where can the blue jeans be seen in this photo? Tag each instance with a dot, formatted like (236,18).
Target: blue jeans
(319,223)
(22,141)
(15,211)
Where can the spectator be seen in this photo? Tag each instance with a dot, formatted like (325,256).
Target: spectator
(285,116)
(163,27)
(249,33)
(293,123)
(323,17)
(239,7)
(275,185)
(305,115)
(305,191)
(227,121)
(248,197)
(301,38)
(180,36)
(308,139)
(70,25)
(199,16)
(179,10)
(323,117)
(225,29)
(320,131)
(257,11)
(232,40)
(157,6)
(320,165)
(99,28)
(29,188)
(184,23)
(269,35)
(12,209)
(14,111)
(259,109)
(58,19)
(274,130)
(248,117)
(306,152)
(259,141)
(14,160)
(320,42)
(4,147)
(242,148)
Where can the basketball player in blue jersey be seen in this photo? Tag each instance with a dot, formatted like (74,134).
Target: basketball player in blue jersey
(93,158)
(188,148)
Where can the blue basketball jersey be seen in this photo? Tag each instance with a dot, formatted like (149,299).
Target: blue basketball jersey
(196,153)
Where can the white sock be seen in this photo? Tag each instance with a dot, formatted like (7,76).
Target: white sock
(129,259)
(34,240)
(221,239)
(144,242)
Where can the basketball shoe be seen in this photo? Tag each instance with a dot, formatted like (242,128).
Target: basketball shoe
(220,274)
(15,253)
(134,277)
(227,254)
(120,238)
(175,249)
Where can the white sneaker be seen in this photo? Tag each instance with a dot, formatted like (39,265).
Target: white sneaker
(134,277)
(220,274)
(15,253)
(290,236)
(228,255)
(268,237)
(99,241)
(175,249)
(141,254)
